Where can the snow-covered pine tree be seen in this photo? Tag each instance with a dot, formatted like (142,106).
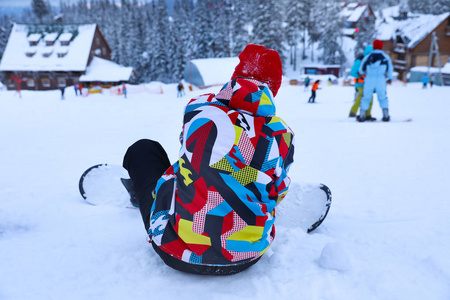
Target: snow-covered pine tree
(330,39)
(239,20)
(183,37)
(40,9)
(160,59)
(296,19)
(203,28)
(268,26)
(365,35)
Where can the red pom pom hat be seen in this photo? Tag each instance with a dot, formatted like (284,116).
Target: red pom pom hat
(262,64)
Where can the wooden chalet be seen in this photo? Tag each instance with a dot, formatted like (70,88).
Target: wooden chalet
(46,57)
(407,40)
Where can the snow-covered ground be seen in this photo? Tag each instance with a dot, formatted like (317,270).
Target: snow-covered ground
(387,235)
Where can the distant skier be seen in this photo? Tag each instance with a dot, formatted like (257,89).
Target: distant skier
(424,81)
(359,84)
(124,91)
(377,67)
(307,80)
(432,79)
(213,211)
(62,89)
(18,81)
(75,87)
(180,90)
(314,88)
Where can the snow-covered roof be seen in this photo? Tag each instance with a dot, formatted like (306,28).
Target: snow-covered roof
(211,76)
(76,59)
(352,12)
(414,29)
(107,71)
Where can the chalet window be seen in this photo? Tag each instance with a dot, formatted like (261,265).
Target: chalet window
(62,54)
(31,83)
(46,82)
(30,54)
(11,83)
(104,50)
(33,43)
(61,82)
(47,53)
(97,41)
(49,43)
(64,43)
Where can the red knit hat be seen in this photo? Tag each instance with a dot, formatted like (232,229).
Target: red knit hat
(262,64)
(377,44)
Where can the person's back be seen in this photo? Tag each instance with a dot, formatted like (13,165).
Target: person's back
(377,68)
(214,209)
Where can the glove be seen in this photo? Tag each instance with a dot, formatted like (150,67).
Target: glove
(389,81)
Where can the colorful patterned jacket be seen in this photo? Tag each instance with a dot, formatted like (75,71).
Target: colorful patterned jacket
(216,204)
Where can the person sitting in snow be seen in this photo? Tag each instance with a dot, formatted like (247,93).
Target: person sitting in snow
(213,210)
(377,66)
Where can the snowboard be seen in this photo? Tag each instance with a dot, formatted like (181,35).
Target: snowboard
(378,120)
(103,184)
(305,206)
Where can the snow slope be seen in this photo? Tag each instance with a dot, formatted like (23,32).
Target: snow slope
(387,235)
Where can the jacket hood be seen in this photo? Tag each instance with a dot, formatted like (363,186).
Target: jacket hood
(249,96)
(368,49)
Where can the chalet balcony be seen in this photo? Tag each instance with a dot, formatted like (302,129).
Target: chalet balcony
(399,64)
(400,48)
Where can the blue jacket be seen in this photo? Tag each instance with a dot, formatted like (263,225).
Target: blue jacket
(357,64)
(377,65)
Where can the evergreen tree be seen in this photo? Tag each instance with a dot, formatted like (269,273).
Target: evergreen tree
(203,29)
(296,20)
(330,40)
(365,35)
(268,29)
(40,9)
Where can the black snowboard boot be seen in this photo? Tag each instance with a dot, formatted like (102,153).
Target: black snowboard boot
(386,117)
(362,116)
(128,183)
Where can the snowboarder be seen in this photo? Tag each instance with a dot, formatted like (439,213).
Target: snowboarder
(359,83)
(75,87)
(180,90)
(314,88)
(424,81)
(213,211)
(377,66)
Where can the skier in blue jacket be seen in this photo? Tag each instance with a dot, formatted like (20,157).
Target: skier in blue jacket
(377,66)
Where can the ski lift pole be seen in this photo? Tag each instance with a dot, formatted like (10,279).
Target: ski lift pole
(434,49)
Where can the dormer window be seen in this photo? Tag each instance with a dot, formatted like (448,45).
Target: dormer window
(65,38)
(62,52)
(30,52)
(33,39)
(50,39)
(47,53)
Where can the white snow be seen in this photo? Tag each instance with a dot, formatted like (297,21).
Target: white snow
(387,235)
(105,70)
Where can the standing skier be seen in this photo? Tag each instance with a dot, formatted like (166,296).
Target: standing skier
(377,67)
(314,88)
(213,211)
(359,83)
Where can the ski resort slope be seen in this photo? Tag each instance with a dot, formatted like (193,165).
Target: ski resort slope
(387,235)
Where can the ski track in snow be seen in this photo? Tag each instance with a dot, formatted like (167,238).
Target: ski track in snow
(386,236)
